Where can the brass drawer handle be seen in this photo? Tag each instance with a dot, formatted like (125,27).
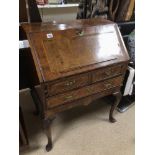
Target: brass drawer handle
(69,97)
(89,90)
(109,72)
(70,83)
(108,85)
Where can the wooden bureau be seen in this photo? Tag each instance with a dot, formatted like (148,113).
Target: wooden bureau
(75,62)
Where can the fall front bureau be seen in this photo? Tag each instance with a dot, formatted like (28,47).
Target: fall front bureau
(74,63)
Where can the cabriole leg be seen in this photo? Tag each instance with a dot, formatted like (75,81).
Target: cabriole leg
(47,129)
(117,96)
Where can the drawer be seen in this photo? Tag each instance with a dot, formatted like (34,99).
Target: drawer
(84,91)
(68,84)
(83,101)
(108,72)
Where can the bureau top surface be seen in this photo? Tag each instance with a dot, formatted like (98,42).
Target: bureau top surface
(59,53)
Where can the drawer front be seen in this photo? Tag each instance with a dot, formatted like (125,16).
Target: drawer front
(83,101)
(108,72)
(83,92)
(68,84)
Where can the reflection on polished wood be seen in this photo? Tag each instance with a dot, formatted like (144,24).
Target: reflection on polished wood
(76,63)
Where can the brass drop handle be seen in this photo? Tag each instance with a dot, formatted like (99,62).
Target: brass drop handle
(108,85)
(88,89)
(69,97)
(108,72)
(70,83)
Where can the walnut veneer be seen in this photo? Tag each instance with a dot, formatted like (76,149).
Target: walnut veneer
(76,62)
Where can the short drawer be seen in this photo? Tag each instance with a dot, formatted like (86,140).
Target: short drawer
(68,84)
(83,92)
(108,72)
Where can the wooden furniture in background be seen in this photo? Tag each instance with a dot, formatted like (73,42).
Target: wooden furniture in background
(23,16)
(76,62)
(28,11)
(125,10)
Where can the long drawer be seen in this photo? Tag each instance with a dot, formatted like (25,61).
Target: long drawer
(83,92)
(82,101)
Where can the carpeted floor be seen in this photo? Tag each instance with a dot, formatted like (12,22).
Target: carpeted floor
(81,131)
